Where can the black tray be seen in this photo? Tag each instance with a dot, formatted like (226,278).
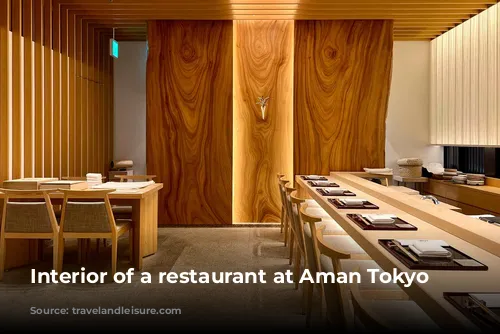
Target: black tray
(432,264)
(339,205)
(322,178)
(487,319)
(346,193)
(331,185)
(360,221)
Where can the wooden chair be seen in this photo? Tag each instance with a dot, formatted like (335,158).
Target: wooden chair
(87,214)
(284,217)
(280,188)
(136,178)
(309,225)
(27,215)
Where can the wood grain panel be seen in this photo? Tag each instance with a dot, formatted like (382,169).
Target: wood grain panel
(189,119)
(342,81)
(263,66)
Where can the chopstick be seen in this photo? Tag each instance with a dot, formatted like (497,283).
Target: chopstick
(407,253)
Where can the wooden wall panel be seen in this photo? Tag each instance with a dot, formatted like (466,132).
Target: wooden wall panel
(189,119)
(342,80)
(5,94)
(465,108)
(37,98)
(263,66)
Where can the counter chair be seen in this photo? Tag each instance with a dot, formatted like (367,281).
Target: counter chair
(27,214)
(282,199)
(87,214)
(308,245)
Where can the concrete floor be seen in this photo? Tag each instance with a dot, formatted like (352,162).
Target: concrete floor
(242,249)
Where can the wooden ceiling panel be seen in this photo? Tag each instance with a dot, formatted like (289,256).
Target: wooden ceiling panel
(413,19)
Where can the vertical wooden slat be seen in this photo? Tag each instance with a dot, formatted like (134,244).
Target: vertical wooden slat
(483,75)
(77,126)
(65,147)
(56,91)
(47,75)
(459,135)
(432,115)
(29,56)
(39,87)
(102,102)
(17,73)
(98,113)
(5,93)
(439,92)
(84,99)
(91,130)
(492,65)
(451,124)
(474,79)
(466,83)
(72,83)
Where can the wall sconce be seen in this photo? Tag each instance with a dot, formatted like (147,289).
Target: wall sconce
(262,101)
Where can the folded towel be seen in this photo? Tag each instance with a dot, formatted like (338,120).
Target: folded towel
(322,183)
(94,176)
(356,202)
(425,248)
(314,177)
(334,191)
(382,219)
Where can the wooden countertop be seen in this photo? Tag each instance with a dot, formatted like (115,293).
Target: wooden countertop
(476,232)
(488,189)
(429,295)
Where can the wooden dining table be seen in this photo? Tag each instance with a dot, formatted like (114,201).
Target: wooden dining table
(144,203)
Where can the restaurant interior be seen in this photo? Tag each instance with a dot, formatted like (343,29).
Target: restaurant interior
(332,136)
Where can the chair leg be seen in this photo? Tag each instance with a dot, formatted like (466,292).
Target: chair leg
(60,254)
(131,245)
(309,293)
(114,255)
(287,230)
(282,218)
(291,245)
(296,273)
(55,250)
(2,256)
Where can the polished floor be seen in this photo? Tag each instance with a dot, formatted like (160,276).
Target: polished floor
(203,306)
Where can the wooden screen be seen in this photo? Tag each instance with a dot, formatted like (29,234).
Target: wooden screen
(189,119)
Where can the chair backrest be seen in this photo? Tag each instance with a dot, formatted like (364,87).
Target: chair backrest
(334,293)
(363,311)
(28,211)
(288,205)
(297,204)
(282,182)
(135,178)
(308,224)
(87,211)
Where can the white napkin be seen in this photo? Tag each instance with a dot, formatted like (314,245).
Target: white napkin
(357,202)
(94,176)
(424,248)
(322,183)
(334,191)
(382,219)
(314,177)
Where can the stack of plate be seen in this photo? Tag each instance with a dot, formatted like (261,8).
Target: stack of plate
(460,179)
(475,179)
